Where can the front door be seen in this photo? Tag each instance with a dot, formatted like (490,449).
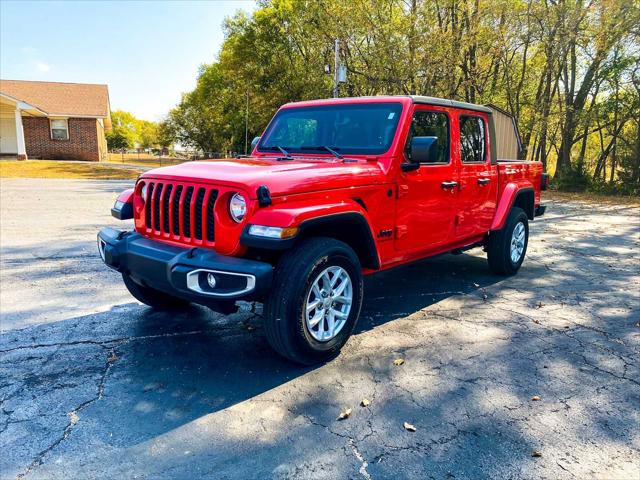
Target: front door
(8,139)
(478,178)
(426,204)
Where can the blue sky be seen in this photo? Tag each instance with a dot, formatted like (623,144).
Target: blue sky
(147,52)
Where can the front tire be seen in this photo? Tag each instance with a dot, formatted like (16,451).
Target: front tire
(507,247)
(152,297)
(315,301)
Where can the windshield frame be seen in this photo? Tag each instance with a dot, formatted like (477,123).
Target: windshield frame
(321,150)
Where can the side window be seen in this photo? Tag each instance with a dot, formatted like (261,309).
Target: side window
(473,140)
(59,129)
(430,124)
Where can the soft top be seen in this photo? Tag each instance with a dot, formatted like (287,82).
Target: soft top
(443,102)
(420,99)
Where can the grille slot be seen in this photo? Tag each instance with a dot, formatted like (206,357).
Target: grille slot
(147,209)
(197,212)
(156,207)
(165,208)
(176,210)
(186,213)
(209,215)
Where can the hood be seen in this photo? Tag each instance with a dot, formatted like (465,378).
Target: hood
(281,177)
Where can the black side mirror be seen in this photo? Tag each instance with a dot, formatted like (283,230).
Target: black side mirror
(254,142)
(424,150)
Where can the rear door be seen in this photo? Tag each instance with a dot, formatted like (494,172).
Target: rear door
(478,178)
(425,209)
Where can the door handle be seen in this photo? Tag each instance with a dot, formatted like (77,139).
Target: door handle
(448,185)
(484,181)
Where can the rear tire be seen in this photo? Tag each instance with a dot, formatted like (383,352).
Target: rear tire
(306,316)
(152,297)
(506,248)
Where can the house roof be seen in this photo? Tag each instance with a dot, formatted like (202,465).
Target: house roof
(57,98)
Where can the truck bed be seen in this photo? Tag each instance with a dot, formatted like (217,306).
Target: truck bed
(520,172)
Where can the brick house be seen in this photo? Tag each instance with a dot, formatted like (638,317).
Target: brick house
(53,120)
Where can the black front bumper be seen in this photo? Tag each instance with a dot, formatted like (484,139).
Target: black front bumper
(183,272)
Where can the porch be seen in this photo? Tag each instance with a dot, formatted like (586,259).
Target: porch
(12,110)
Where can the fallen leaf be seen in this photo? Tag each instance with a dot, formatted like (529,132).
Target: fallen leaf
(398,361)
(365,402)
(408,427)
(73,418)
(112,358)
(536,453)
(535,398)
(344,414)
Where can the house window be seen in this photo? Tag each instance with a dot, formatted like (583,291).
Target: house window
(59,129)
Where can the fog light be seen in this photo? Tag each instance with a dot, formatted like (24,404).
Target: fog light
(211,280)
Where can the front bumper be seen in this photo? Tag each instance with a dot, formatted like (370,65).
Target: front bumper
(184,272)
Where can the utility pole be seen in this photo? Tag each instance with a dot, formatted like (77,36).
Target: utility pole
(336,68)
(246,126)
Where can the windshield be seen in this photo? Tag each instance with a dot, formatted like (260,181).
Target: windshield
(356,128)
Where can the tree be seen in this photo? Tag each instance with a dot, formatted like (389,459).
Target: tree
(123,132)
(147,133)
(166,134)
(127,131)
(563,68)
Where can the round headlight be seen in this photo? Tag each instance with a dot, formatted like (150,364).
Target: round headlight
(143,192)
(237,207)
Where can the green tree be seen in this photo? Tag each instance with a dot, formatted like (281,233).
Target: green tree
(565,69)
(147,134)
(123,133)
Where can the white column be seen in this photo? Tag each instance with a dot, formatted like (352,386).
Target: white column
(22,151)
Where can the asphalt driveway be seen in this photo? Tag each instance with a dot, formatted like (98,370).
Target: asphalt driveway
(95,385)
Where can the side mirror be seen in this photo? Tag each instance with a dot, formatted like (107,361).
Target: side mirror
(254,142)
(424,150)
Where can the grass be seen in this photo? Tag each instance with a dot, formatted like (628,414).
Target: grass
(64,169)
(143,159)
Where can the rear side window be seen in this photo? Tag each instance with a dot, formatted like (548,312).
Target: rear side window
(473,139)
(430,124)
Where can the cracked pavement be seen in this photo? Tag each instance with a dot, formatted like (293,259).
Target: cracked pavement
(95,385)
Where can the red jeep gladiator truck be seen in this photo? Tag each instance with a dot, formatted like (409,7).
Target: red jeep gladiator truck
(332,191)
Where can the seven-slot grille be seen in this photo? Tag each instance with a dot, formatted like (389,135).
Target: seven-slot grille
(180,211)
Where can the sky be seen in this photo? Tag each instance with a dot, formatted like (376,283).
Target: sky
(147,52)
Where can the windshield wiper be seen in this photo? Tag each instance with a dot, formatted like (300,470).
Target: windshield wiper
(287,155)
(324,147)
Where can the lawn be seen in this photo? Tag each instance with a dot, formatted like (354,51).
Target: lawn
(64,169)
(143,159)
